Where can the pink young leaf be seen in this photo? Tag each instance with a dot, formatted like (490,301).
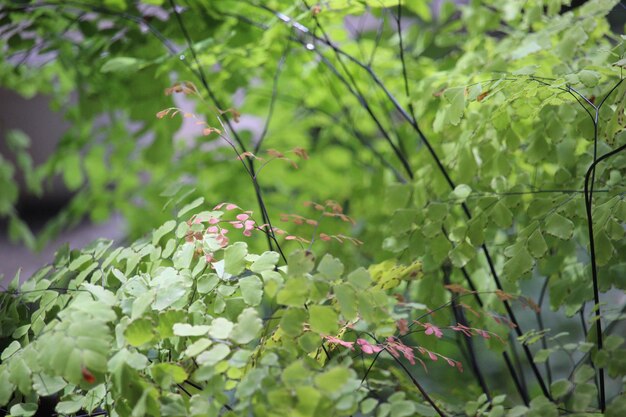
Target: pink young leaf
(237,225)
(432,329)
(212,229)
(432,356)
(325,237)
(367,347)
(231,206)
(336,340)
(242,217)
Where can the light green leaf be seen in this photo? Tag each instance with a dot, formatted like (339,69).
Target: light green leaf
(360,278)
(166,374)
(294,293)
(197,347)
(323,319)
(251,290)
(560,388)
(220,328)
(25,410)
(501,215)
(519,264)
(234,258)
(346,297)
(537,244)
(46,385)
(186,209)
(122,65)
(292,321)
(139,332)
(183,256)
(300,263)
(166,228)
(330,267)
(460,193)
(334,380)
(456,99)
(462,254)
(184,329)
(266,262)
(248,327)
(559,226)
(213,355)
(13,347)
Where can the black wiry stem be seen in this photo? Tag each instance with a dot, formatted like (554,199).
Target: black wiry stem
(459,316)
(417,385)
(271,238)
(594,270)
(403,112)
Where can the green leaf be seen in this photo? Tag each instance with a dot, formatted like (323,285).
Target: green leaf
(251,290)
(292,321)
(360,278)
(346,297)
(213,355)
(184,329)
(206,283)
(583,374)
(460,193)
(6,387)
(26,409)
(536,244)
(323,319)
(221,328)
(70,406)
(166,374)
(248,327)
(300,263)
(589,78)
(266,262)
(330,267)
(72,171)
(122,64)
(456,99)
(139,332)
(501,215)
(183,256)
(46,385)
(462,254)
(197,347)
(234,258)
(13,347)
(559,226)
(333,380)
(294,293)
(560,388)
(187,208)
(519,264)
(542,355)
(617,408)
(166,228)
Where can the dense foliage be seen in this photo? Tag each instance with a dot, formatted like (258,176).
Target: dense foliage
(428,187)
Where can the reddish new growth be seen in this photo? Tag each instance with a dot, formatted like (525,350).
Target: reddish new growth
(272,154)
(87,375)
(502,296)
(329,209)
(396,348)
